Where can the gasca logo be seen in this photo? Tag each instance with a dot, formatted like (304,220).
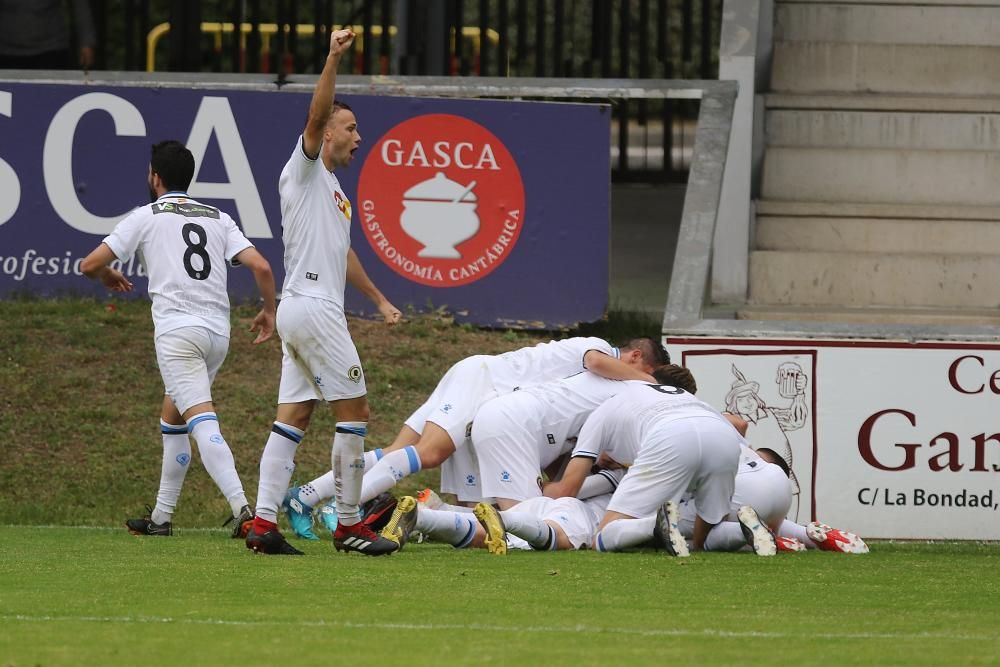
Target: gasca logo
(442,201)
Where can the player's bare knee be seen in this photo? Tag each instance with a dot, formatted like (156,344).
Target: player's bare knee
(351,410)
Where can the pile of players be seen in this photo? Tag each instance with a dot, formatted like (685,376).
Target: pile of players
(566,444)
(634,458)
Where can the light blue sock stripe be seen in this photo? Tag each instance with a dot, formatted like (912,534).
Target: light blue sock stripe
(356,430)
(468,537)
(412,458)
(172,429)
(201,418)
(379,454)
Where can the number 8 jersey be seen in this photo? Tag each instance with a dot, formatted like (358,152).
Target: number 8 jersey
(184,247)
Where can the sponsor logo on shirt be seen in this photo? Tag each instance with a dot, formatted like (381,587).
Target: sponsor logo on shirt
(188,210)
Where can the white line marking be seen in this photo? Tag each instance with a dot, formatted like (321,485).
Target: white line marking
(570,629)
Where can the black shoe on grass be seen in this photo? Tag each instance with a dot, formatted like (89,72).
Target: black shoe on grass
(145,526)
(271,542)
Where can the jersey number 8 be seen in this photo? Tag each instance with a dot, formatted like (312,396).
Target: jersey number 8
(196,249)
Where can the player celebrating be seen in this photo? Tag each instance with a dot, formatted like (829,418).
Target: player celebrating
(320,360)
(437,433)
(673,443)
(184,246)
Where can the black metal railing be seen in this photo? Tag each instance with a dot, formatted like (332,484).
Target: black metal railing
(630,39)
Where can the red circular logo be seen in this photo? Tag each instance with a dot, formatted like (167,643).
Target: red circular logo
(441,200)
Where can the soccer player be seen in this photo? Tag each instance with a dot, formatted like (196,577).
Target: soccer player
(437,433)
(517,435)
(319,360)
(184,246)
(672,443)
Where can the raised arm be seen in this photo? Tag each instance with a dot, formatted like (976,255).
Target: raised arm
(322,99)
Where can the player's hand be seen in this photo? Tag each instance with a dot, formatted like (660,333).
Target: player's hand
(263,324)
(115,280)
(390,313)
(340,41)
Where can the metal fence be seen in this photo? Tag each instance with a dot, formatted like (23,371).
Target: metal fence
(625,39)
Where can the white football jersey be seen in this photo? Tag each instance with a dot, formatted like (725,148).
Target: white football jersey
(618,427)
(750,461)
(566,403)
(316,228)
(543,362)
(184,247)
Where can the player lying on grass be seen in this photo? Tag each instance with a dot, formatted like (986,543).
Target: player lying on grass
(437,433)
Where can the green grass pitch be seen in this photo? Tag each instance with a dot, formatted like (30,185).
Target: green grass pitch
(92,596)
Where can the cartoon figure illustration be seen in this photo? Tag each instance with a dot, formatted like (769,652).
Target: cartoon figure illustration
(440,213)
(768,425)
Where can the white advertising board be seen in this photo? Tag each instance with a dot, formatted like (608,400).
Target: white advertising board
(886,439)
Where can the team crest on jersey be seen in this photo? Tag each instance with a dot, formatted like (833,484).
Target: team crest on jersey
(343,203)
(354,374)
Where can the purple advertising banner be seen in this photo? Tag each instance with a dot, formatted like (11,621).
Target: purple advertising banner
(496,211)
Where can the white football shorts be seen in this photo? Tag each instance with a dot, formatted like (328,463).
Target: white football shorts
(319,360)
(189,359)
(767,490)
(578,520)
(697,453)
(506,436)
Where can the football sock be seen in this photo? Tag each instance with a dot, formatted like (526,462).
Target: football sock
(456,508)
(218,458)
(598,484)
(277,464)
(323,487)
(529,528)
(455,528)
(372,457)
(176,460)
(348,463)
(393,467)
(625,534)
(792,529)
(725,536)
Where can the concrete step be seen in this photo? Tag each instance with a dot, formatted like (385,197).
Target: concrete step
(965,178)
(883,129)
(877,235)
(912,103)
(884,68)
(954,24)
(873,279)
(956,317)
(823,209)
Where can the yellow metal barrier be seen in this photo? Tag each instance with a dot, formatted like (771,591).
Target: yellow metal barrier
(269,30)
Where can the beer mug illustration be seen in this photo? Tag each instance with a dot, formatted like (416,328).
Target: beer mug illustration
(788,379)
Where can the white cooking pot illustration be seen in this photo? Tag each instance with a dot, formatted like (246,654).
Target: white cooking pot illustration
(440,213)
